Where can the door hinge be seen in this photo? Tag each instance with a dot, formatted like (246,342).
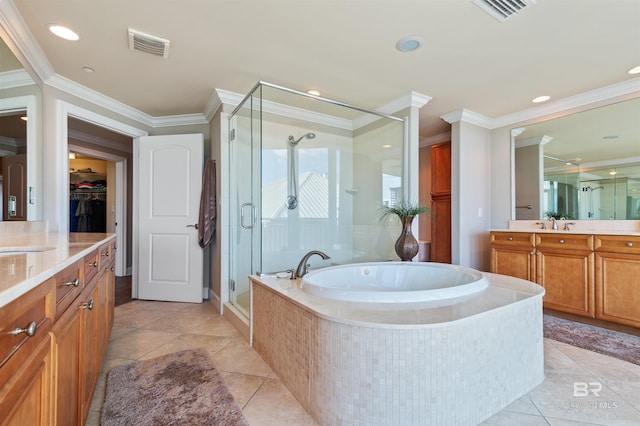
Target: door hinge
(232,285)
(232,134)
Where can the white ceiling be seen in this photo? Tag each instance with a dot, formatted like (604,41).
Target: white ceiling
(345,49)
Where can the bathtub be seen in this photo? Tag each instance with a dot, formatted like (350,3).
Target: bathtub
(455,361)
(393,282)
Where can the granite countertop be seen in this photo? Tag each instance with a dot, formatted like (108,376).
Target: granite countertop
(27,260)
(572,231)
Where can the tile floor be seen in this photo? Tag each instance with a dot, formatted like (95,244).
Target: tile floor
(145,330)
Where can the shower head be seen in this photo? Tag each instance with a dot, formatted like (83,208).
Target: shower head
(294,141)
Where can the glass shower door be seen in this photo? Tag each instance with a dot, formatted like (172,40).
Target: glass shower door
(244,189)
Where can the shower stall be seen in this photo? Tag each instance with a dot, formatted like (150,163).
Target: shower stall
(309,173)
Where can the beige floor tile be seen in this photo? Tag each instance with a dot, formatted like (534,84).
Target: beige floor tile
(98,395)
(273,405)
(555,398)
(118,331)
(93,419)
(557,360)
(506,418)
(242,386)
(239,357)
(137,317)
(135,344)
(183,342)
(523,405)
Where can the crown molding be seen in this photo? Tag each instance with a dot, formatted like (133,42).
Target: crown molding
(625,88)
(411,99)
(15,78)
(25,47)
(538,140)
(470,117)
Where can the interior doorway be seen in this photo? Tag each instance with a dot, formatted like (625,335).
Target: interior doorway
(100,185)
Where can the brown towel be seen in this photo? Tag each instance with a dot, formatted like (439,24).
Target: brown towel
(207,214)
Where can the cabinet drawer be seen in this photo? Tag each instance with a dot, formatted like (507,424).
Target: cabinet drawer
(565,241)
(91,266)
(69,284)
(617,244)
(522,239)
(24,321)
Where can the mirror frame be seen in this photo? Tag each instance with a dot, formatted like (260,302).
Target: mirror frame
(518,128)
(20,104)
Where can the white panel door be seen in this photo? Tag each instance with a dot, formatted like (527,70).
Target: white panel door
(170,258)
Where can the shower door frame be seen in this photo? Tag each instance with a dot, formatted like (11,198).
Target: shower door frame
(245,192)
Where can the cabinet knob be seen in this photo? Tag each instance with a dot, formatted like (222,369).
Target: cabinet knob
(561,241)
(106,253)
(74,283)
(629,244)
(510,238)
(94,264)
(87,305)
(29,330)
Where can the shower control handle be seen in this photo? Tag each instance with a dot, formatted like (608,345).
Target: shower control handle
(253,215)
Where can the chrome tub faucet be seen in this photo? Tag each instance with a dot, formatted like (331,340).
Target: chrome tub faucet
(303,267)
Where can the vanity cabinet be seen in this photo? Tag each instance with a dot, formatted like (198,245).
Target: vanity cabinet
(49,378)
(618,279)
(513,254)
(596,276)
(80,339)
(25,358)
(564,267)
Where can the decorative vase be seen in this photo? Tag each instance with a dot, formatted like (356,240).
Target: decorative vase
(406,244)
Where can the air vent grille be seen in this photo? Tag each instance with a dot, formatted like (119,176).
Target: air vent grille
(503,9)
(148,43)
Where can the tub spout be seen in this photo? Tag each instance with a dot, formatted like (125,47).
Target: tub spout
(303,267)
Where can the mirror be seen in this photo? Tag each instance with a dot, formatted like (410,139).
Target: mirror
(19,133)
(582,166)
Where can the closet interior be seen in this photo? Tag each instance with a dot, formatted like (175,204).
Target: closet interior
(87,194)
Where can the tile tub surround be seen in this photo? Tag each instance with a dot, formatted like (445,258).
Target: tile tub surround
(19,273)
(358,364)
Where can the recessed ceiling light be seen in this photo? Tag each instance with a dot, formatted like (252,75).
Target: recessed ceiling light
(409,43)
(72,156)
(314,92)
(88,69)
(539,99)
(634,70)
(386,146)
(24,118)
(613,172)
(64,32)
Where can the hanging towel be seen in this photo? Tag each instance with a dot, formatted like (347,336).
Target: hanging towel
(207,214)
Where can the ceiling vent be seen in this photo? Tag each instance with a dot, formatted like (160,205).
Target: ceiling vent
(148,43)
(503,9)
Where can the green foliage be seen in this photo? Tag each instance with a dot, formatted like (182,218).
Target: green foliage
(403,209)
(556,215)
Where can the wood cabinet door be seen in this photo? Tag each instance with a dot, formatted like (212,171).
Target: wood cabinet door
(568,279)
(441,169)
(90,355)
(66,355)
(513,261)
(618,288)
(26,399)
(441,229)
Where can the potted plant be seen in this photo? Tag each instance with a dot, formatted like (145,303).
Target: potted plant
(406,245)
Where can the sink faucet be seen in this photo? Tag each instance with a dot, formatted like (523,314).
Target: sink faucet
(554,224)
(544,225)
(303,267)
